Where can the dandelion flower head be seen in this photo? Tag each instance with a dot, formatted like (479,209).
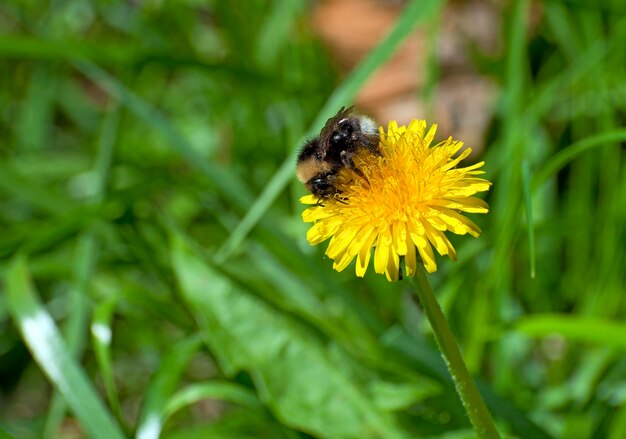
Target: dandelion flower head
(400,203)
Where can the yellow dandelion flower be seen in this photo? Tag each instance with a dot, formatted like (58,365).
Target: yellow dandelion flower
(400,203)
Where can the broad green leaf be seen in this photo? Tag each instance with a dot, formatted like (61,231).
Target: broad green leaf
(397,396)
(239,424)
(49,350)
(290,367)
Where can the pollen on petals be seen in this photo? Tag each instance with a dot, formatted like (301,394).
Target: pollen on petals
(400,204)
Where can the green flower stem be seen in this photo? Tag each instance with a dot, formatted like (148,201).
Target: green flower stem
(466,388)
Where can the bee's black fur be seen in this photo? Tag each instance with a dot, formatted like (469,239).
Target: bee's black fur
(322,157)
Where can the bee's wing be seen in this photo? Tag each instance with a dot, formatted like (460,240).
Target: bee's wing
(331,126)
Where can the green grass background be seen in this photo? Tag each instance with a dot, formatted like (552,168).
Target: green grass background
(155,279)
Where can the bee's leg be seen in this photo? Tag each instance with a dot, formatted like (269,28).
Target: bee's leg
(358,172)
(346,158)
(339,198)
(372,143)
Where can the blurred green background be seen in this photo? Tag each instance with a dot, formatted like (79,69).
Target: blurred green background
(155,279)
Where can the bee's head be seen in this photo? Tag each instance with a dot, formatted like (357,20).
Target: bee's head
(323,185)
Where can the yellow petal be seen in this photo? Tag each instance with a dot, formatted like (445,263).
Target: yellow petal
(416,232)
(364,255)
(361,238)
(468,169)
(343,262)
(418,127)
(428,258)
(322,230)
(469,204)
(435,238)
(399,238)
(340,241)
(437,222)
(440,241)
(381,256)
(458,223)
(452,163)
(317,213)
(410,259)
(393,266)
(309,199)
(468,187)
(430,135)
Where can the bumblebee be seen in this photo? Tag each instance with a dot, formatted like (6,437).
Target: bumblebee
(322,157)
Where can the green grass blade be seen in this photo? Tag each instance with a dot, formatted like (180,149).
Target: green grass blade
(76,325)
(559,19)
(163,385)
(566,155)
(226,182)
(85,263)
(415,13)
(101,335)
(490,300)
(574,328)
(37,109)
(31,191)
(529,216)
(22,46)
(223,391)
(126,55)
(51,353)
(106,145)
(618,424)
